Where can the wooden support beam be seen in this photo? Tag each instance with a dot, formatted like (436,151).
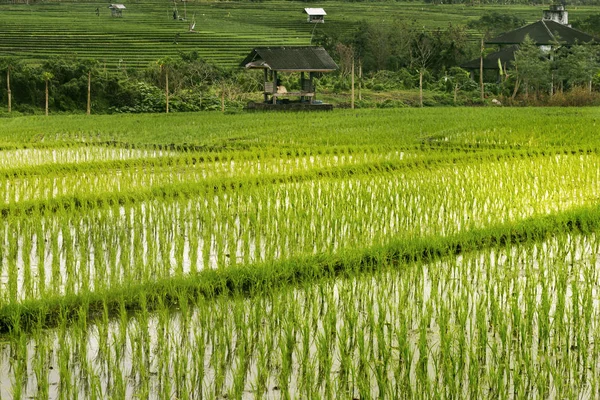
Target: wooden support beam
(302,85)
(266,96)
(275,86)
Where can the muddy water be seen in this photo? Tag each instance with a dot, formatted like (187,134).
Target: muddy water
(31,157)
(486,312)
(67,253)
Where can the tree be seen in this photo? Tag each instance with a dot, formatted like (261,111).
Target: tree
(346,58)
(532,66)
(8,64)
(197,73)
(421,51)
(495,23)
(460,78)
(452,46)
(90,66)
(581,65)
(165,64)
(371,44)
(46,76)
(590,24)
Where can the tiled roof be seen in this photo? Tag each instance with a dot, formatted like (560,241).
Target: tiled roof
(314,59)
(544,33)
(506,57)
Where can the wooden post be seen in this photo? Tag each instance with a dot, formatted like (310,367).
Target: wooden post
(481,72)
(312,88)
(274,87)
(265,95)
(89,94)
(301,86)
(8,88)
(352,74)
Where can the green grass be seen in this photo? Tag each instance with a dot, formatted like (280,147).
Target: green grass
(535,128)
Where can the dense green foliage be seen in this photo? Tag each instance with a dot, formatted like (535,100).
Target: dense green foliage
(590,24)
(195,85)
(495,23)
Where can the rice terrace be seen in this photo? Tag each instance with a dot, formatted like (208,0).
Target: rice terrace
(405,252)
(377,253)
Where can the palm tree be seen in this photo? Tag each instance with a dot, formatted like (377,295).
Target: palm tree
(165,64)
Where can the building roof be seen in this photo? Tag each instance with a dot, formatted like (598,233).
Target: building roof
(506,57)
(291,59)
(117,6)
(544,33)
(315,11)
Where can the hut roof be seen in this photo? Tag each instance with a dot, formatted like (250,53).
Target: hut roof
(117,6)
(544,33)
(506,57)
(290,59)
(315,11)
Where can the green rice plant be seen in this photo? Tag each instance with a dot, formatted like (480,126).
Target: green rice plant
(461,268)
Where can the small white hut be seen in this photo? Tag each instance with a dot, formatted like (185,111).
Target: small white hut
(315,15)
(117,10)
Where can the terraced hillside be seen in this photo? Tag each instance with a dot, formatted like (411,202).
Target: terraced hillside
(224,31)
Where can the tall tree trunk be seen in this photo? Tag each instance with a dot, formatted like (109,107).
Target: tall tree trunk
(360,79)
(46,96)
(481,72)
(352,80)
(89,94)
(421,87)
(167,87)
(516,88)
(223,98)
(455,92)
(8,89)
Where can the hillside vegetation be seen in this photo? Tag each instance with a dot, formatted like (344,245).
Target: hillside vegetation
(224,33)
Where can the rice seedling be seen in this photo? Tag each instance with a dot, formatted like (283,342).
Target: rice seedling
(375,267)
